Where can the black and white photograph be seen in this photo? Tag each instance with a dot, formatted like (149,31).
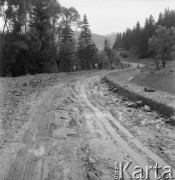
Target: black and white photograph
(87,89)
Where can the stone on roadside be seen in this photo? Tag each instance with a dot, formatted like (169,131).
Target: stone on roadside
(139,103)
(92,160)
(115,90)
(132,104)
(147,108)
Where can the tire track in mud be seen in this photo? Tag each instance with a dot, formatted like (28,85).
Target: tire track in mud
(140,153)
(28,160)
(104,151)
(67,137)
(50,142)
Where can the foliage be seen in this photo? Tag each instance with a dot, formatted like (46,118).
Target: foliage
(109,52)
(34,33)
(103,60)
(167,18)
(67,48)
(162,42)
(124,54)
(136,39)
(86,48)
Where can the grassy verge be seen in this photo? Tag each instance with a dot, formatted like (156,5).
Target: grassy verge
(159,100)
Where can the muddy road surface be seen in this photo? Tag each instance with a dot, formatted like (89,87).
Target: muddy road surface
(71,126)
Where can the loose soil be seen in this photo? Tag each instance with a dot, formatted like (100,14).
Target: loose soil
(70,126)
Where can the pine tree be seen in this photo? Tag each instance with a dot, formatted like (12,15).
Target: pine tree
(85,34)
(137,36)
(160,19)
(118,41)
(67,48)
(146,33)
(85,50)
(106,46)
(40,23)
(136,39)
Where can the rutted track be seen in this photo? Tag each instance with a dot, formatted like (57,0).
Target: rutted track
(139,152)
(69,135)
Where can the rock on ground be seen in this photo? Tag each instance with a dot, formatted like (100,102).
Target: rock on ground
(147,108)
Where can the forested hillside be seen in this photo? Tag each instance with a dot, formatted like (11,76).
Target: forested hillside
(99,39)
(137,39)
(37,37)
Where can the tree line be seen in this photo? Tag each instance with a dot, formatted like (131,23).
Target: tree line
(155,39)
(37,37)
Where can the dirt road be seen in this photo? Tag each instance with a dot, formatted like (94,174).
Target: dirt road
(75,128)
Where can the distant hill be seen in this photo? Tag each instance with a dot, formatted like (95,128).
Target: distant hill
(98,39)
(111,34)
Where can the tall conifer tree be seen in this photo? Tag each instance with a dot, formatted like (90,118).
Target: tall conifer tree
(86,48)
(67,48)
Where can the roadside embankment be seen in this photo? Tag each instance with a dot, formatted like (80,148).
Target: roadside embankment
(160,101)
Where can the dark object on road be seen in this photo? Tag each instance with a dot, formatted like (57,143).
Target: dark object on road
(148,89)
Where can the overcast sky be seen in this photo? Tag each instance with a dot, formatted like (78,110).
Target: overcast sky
(106,16)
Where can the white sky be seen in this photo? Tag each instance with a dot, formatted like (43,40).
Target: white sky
(106,16)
